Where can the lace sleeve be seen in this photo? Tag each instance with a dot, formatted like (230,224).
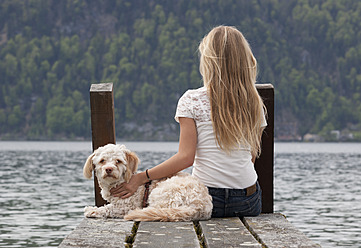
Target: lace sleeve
(184,108)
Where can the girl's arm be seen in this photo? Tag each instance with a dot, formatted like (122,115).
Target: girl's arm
(184,158)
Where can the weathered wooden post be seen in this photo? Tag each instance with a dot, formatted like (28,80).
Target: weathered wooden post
(102,122)
(264,164)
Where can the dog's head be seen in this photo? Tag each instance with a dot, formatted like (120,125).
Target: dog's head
(111,163)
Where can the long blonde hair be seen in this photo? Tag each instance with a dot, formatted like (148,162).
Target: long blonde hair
(229,72)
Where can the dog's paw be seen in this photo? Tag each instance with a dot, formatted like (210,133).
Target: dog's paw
(91,212)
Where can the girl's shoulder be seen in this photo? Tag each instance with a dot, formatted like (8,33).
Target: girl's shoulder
(197,102)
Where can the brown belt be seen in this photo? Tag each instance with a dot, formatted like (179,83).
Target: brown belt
(251,189)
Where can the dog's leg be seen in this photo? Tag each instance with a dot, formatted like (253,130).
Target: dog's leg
(107,211)
(95,212)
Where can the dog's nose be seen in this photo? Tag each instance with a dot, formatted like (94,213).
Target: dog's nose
(109,170)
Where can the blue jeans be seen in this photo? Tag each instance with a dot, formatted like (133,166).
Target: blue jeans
(235,202)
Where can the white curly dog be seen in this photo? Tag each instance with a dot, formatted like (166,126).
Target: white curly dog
(181,197)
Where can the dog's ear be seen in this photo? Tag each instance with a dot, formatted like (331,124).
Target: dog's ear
(88,167)
(132,166)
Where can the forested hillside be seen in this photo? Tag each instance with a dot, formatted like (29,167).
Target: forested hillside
(52,51)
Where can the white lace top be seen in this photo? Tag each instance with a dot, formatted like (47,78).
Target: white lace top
(213,166)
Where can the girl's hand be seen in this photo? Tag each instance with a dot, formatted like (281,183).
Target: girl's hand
(125,190)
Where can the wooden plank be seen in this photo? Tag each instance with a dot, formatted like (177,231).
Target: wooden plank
(99,233)
(166,234)
(264,164)
(273,230)
(102,122)
(227,232)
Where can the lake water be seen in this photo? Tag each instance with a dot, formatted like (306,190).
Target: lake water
(43,192)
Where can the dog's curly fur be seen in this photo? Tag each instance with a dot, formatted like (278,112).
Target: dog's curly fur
(181,197)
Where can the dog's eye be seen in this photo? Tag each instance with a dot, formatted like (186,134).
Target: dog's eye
(118,161)
(102,161)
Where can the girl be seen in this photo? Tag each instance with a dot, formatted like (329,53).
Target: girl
(221,125)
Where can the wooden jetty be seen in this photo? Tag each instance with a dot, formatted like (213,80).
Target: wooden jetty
(267,230)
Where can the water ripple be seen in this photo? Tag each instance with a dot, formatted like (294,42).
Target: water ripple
(320,194)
